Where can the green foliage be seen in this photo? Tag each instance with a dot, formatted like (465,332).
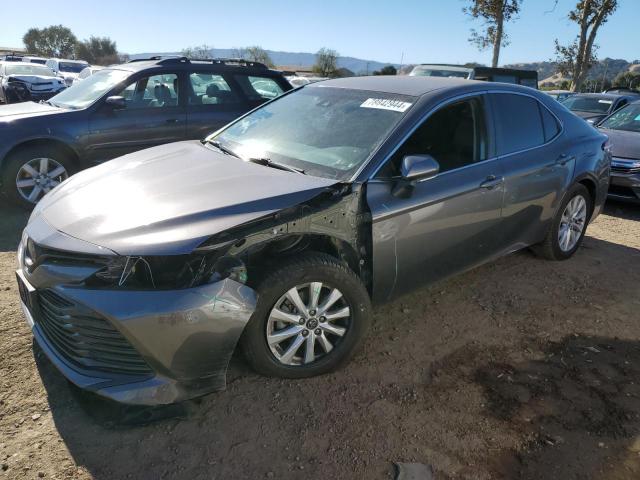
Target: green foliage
(628,79)
(53,41)
(386,70)
(98,51)
(493,14)
(200,52)
(326,63)
(257,54)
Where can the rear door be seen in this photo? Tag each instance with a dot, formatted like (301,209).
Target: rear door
(155,113)
(213,101)
(537,163)
(447,223)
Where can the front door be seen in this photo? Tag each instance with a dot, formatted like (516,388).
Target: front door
(447,223)
(154,114)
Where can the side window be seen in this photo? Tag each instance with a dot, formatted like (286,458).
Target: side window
(518,122)
(210,89)
(455,136)
(156,91)
(549,122)
(622,103)
(258,88)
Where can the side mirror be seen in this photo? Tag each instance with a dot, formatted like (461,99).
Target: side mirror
(418,167)
(414,168)
(116,102)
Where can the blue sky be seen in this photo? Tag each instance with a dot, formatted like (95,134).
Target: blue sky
(425,30)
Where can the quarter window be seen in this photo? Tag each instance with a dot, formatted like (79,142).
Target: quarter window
(518,122)
(258,88)
(455,136)
(549,122)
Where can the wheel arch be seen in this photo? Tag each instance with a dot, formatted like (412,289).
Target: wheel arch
(54,142)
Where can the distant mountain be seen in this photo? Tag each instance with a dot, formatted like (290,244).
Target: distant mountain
(607,68)
(302,59)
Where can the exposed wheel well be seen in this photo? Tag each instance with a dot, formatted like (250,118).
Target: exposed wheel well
(262,258)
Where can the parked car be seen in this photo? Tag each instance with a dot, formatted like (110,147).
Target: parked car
(528,78)
(140,276)
(21,82)
(623,129)
(87,72)
(559,95)
(67,69)
(31,59)
(594,107)
(122,109)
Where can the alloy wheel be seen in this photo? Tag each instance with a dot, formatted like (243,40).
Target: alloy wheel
(572,223)
(307,323)
(38,176)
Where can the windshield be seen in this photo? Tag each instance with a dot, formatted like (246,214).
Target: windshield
(327,132)
(84,93)
(439,72)
(578,103)
(72,67)
(29,69)
(627,118)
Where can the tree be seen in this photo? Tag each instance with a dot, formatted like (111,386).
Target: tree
(494,14)
(627,79)
(200,52)
(386,70)
(53,41)
(257,54)
(98,51)
(575,59)
(326,62)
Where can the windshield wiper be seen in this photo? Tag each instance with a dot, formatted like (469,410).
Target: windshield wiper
(222,148)
(267,162)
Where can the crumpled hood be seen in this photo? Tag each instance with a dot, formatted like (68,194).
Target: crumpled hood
(624,144)
(16,111)
(167,200)
(35,79)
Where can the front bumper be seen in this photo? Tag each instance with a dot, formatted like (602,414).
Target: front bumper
(625,186)
(136,347)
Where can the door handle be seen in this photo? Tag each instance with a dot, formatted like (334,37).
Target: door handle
(491,182)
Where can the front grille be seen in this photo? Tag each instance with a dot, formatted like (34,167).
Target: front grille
(625,166)
(621,191)
(36,254)
(85,339)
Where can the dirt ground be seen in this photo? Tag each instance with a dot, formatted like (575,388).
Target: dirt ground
(521,369)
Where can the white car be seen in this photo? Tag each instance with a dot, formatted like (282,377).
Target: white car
(67,69)
(87,72)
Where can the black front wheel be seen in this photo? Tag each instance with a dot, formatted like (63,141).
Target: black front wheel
(312,314)
(568,226)
(32,172)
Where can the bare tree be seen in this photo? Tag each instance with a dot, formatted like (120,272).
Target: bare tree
(494,14)
(326,62)
(258,54)
(200,52)
(576,59)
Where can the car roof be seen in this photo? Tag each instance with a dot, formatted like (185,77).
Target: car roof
(414,86)
(181,63)
(605,96)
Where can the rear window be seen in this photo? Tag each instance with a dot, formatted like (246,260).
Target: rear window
(518,122)
(258,88)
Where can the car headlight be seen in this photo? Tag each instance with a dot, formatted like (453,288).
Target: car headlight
(168,272)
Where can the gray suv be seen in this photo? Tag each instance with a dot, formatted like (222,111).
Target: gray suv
(140,277)
(121,109)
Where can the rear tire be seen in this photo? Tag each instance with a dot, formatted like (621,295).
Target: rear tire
(333,338)
(571,219)
(30,172)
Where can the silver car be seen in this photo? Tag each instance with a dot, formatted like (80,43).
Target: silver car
(140,277)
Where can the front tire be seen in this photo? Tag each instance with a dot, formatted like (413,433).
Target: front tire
(31,172)
(312,314)
(568,226)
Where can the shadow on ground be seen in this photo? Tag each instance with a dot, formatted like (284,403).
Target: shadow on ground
(12,222)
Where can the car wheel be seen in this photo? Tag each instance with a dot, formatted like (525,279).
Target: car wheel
(32,172)
(311,316)
(568,226)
